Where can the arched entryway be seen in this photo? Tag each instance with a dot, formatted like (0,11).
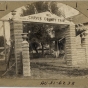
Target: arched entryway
(64,29)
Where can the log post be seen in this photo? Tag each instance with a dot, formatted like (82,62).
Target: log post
(25,56)
(71,51)
(16,30)
(85,45)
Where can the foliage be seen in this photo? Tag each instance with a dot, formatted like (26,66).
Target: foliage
(38,32)
(80,28)
(28,11)
(38,35)
(42,6)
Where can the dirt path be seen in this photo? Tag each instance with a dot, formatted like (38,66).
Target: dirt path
(48,69)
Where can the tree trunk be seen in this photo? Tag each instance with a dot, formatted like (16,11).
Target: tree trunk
(50,47)
(36,50)
(42,49)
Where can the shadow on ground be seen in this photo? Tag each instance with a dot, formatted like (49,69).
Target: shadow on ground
(62,70)
(48,69)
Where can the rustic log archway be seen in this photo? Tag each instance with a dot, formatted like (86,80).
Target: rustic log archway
(16,30)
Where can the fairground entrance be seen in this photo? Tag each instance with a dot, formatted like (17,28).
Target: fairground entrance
(26,44)
(43,45)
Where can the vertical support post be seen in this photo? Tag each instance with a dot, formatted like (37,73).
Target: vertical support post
(71,46)
(57,50)
(4,40)
(85,45)
(25,56)
(50,47)
(18,28)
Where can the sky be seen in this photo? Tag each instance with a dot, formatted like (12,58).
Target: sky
(69,11)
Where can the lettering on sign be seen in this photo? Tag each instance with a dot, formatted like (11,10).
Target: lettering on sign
(37,18)
(45,19)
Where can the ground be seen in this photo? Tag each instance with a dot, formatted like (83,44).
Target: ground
(48,68)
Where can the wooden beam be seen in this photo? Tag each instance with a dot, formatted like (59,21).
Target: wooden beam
(4,39)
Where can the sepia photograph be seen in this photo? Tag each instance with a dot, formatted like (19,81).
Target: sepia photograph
(44,40)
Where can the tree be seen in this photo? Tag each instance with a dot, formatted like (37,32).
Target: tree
(79,28)
(42,6)
(39,32)
(28,11)
(38,35)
